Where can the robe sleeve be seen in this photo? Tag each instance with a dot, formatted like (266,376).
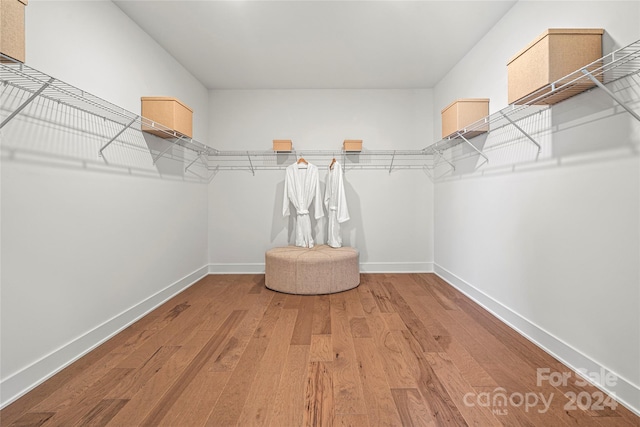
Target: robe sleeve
(285,197)
(317,207)
(343,212)
(327,191)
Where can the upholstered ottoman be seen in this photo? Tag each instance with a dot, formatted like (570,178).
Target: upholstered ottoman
(319,270)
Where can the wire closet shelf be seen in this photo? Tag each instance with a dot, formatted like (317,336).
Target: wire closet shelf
(34,84)
(616,65)
(620,63)
(22,78)
(351,160)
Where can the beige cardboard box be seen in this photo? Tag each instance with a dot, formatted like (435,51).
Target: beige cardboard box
(12,29)
(551,56)
(168,112)
(352,145)
(282,145)
(463,112)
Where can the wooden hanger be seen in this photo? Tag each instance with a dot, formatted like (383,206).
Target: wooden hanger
(332,162)
(302,160)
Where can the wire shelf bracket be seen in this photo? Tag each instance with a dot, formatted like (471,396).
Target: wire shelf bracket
(193,161)
(117,135)
(392,159)
(473,146)
(439,156)
(165,151)
(611,94)
(522,131)
(253,172)
(27,102)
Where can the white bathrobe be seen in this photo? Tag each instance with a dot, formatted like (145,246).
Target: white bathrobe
(301,187)
(336,204)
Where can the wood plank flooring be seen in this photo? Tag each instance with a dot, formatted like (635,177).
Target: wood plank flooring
(399,350)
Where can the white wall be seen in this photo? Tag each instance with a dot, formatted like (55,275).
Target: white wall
(90,244)
(391,214)
(552,245)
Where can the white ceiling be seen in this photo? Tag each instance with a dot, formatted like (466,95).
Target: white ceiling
(316,44)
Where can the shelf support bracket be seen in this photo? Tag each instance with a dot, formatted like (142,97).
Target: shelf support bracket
(204,162)
(27,102)
(440,156)
(251,164)
(192,162)
(611,94)
(165,151)
(437,178)
(472,146)
(521,131)
(117,135)
(392,159)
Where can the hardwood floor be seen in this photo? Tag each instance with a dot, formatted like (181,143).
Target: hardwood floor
(401,349)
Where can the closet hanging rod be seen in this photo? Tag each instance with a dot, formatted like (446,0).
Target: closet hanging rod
(318,153)
(347,168)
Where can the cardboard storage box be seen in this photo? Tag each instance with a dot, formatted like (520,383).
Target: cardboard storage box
(12,29)
(463,112)
(282,145)
(352,145)
(168,112)
(551,56)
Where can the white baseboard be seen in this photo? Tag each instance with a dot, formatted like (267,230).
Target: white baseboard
(237,268)
(396,267)
(16,385)
(624,390)
(365,267)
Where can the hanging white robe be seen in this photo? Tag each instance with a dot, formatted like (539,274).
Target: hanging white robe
(301,187)
(336,204)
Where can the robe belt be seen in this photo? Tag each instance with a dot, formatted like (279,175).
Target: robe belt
(303,212)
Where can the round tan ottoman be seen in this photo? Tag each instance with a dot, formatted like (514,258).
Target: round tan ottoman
(319,270)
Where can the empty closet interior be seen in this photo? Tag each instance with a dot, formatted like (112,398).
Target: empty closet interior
(127,176)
